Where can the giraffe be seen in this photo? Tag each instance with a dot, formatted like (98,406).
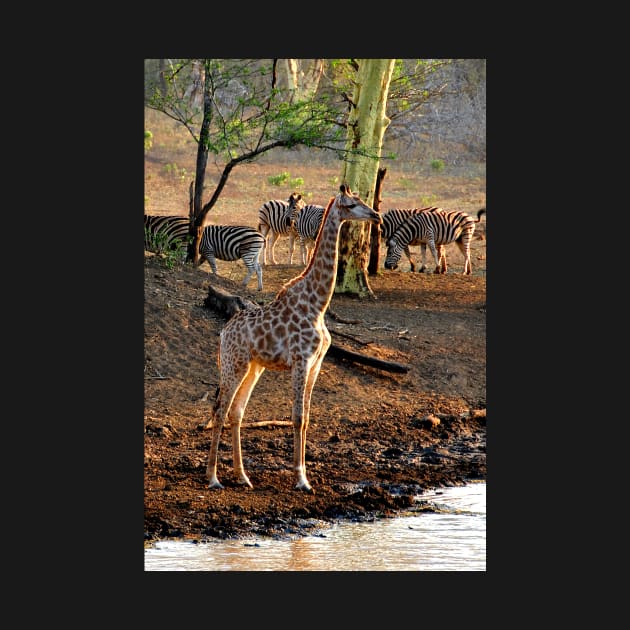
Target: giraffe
(288,333)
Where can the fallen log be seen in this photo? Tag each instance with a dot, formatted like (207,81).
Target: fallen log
(228,304)
(342,353)
(225,303)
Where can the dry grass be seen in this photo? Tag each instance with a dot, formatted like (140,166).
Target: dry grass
(170,167)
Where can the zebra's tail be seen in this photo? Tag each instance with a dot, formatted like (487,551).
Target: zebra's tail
(479,213)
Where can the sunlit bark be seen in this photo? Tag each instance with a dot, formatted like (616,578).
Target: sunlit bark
(366,127)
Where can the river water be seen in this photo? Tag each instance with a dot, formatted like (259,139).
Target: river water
(451,539)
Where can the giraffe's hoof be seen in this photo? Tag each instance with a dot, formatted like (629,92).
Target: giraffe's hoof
(215,485)
(305,487)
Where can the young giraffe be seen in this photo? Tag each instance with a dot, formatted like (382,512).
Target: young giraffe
(288,333)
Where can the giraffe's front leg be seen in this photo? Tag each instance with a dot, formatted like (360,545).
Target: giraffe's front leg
(211,470)
(299,416)
(239,470)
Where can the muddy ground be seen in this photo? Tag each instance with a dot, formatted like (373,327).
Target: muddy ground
(376,439)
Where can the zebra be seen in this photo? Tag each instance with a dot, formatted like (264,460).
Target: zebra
(165,232)
(394,217)
(275,219)
(231,242)
(307,224)
(434,228)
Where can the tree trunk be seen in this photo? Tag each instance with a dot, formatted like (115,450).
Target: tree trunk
(366,127)
(194,92)
(200,175)
(302,83)
(375,230)
(161,79)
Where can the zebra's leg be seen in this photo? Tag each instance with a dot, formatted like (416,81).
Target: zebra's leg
(250,273)
(304,251)
(264,230)
(431,243)
(291,247)
(408,254)
(272,247)
(464,248)
(423,252)
(253,267)
(442,258)
(212,262)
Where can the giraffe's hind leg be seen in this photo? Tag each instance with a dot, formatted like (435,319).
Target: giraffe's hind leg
(235,415)
(219,413)
(232,378)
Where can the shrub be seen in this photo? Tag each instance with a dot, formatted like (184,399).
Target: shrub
(284,178)
(278,180)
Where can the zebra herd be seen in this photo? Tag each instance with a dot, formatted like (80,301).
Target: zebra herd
(430,227)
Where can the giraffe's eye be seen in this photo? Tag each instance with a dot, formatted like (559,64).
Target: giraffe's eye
(351,205)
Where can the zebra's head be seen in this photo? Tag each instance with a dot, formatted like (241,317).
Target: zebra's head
(296,203)
(394,252)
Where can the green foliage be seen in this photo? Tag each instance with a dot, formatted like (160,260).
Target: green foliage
(278,180)
(427,201)
(172,250)
(437,165)
(148,140)
(175,171)
(285,178)
(172,258)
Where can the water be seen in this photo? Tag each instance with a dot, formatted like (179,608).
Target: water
(454,539)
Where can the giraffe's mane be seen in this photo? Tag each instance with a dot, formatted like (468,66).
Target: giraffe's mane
(291,282)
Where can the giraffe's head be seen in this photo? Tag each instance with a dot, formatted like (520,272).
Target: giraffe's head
(296,203)
(352,207)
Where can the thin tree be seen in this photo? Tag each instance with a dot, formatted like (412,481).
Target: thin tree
(245,114)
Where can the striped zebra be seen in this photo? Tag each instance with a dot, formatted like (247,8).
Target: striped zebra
(307,224)
(231,242)
(275,219)
(165,232)
(434,228)
(394,217)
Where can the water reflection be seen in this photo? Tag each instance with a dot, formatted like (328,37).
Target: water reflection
(454,539)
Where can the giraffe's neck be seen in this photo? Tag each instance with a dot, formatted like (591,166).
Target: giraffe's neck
(315,285)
